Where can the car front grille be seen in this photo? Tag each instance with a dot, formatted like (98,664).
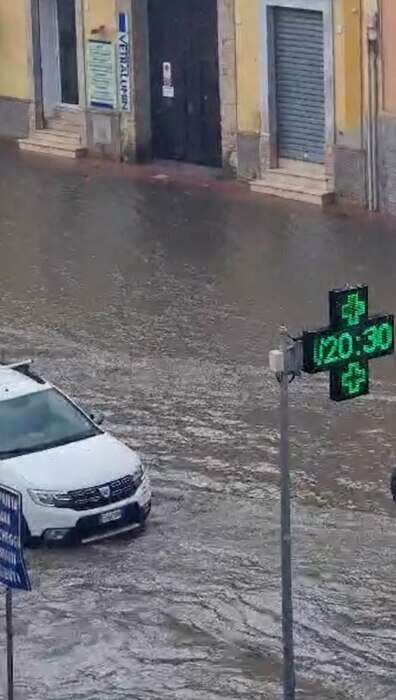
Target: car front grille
(104,495)
(90,526)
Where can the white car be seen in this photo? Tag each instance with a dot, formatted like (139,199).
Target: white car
(78,483)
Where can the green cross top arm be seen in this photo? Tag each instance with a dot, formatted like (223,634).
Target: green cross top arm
(353,309)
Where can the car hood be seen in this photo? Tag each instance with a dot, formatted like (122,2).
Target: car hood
(91,462)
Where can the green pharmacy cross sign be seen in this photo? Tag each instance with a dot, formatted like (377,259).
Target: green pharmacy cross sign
(349,343)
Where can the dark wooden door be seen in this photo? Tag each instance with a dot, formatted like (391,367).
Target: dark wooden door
(68,51)
(185,80)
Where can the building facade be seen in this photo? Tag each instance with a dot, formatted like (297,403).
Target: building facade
(317,97)
(291,95)
(133,79)
(299,87)
(14,82)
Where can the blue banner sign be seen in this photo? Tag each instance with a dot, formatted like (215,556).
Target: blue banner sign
(13,572)
(124,62)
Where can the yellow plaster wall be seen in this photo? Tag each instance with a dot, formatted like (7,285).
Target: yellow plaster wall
(14,79)
(370,9)
(247,15)
(100,13)
(348,66)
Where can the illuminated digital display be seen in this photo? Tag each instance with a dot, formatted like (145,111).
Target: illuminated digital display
(328,349)
(347,345)
(350,382)
(348,307)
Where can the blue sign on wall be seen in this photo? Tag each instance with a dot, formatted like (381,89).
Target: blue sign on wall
(13,572)
(124,62)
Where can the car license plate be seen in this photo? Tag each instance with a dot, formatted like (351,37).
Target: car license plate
(110,517)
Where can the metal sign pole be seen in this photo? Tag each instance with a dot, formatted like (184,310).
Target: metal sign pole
(10,646)
(344,349)
(13,572)
(289,684)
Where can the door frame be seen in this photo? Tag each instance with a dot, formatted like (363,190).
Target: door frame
(36,117)
(227,81)
(178,128)
(226,32)
(268,136)
(50,79)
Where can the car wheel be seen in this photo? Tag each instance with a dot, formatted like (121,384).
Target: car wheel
(25,533)
(147,510)
(145,514)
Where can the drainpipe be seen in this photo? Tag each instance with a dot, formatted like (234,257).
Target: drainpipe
(372,126)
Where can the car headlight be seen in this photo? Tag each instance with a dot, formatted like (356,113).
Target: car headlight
(53,499)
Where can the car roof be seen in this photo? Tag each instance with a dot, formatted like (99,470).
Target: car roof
(14,384)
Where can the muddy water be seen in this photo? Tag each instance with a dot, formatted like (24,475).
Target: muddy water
(157,302)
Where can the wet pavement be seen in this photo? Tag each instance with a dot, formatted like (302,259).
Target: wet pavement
(156,300)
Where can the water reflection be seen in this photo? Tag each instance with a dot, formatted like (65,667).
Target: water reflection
(158,302)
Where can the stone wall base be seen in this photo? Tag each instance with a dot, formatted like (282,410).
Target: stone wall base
(103,133)
(350,174)
(14,117)
(248,156)
(387,162)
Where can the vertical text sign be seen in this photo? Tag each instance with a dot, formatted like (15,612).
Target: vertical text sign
(13,573)
(124,62)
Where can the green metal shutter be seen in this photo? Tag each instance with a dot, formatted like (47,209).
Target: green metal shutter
(300,91)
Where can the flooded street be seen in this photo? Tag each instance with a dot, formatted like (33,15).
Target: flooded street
(156,300)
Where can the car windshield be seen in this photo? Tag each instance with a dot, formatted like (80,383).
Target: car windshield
(40,421)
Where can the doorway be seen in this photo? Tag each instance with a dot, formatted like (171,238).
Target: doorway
(58,50)
(184,76)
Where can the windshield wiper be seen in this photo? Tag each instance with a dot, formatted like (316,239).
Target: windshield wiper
(16,453)
(9,454)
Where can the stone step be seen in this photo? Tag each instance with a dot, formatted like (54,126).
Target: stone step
(52,148)
(64,125)
(281,177)
(293,192)
(69,115)
(300,166)
(57,136)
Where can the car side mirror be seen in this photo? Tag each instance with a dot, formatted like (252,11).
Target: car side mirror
(97,417)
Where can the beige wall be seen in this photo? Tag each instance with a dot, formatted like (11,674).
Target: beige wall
(14,80)
(247,14)
(348,69)
(347,48)
(389,54)
(100,13)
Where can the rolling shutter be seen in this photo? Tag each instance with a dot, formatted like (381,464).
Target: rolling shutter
(300,92)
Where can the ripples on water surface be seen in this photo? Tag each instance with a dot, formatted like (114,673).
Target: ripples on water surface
(158,303)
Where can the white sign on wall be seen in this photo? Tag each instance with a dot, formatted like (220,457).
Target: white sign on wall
(168,89)
(102,74)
